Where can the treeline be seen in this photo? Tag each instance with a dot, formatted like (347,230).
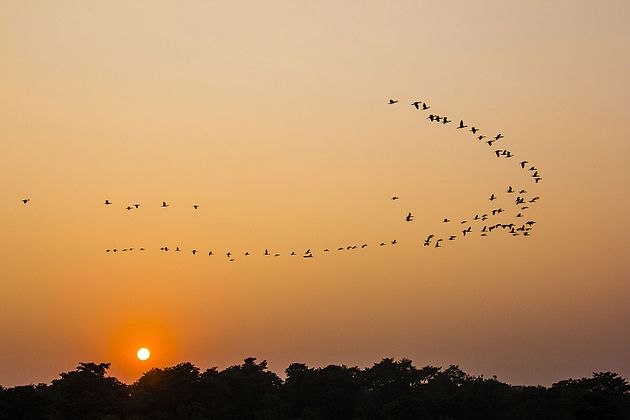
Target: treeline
(388,390)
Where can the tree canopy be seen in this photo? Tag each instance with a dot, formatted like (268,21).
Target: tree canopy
(390,389)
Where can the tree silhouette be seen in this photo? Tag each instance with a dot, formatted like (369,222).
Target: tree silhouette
(390,389)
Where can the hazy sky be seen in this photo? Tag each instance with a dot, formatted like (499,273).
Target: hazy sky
(272,116)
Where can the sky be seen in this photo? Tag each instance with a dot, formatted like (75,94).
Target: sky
(273,118)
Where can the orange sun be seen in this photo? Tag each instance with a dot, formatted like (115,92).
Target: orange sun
(143,353)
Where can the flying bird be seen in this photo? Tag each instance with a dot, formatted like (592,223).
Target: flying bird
(474,130)
(392,102)
(195,206)
(409,217)
(461,124)
(107,202)
(416,104)
(164,204)
(523,163)
(26,200)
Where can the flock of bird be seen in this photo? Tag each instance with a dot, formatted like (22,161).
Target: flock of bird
(483,223)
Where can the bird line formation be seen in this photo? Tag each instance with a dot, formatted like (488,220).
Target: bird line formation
(480,223)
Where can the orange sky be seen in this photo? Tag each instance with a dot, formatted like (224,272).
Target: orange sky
(273,118)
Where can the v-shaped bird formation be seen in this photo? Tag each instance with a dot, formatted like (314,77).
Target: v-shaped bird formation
(482,223)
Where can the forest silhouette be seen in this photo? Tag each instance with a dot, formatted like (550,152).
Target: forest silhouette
(390,389)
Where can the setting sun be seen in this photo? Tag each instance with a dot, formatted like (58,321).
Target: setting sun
(143,353)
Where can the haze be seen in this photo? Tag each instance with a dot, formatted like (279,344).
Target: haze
(273,117)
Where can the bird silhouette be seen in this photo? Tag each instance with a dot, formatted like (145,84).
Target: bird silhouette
(409,217)
(446,220)
(489,142)
(461,124)
(194,251)
(266,252)
(474,130)
(493,197)
(136,205)
(498,136)
(481,138)
(392,102)
(437,243)
(26,200)
(228,254)
(523,163)
(510,189)
(210,253)
(164,204)
(195,206)
(395,198)
(446,121)
(425,106)
(107,202)
(452,237)
(394,242)
(416,104)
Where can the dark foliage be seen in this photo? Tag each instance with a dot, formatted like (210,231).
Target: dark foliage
(388,390)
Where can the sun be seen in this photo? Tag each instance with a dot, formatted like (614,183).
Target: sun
(143,353)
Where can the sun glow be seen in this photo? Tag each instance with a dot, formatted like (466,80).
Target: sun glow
(143,353)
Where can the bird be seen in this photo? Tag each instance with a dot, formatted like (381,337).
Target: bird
(266,252)
(164,204)
(228,254)
(26,200)
(461,124)
(395,198)
(394,242)
(446,220)
(177,249)
(136,205)
(533,200)
(425,106)
(437,243)
(129,207)
(382,244)
(210,253)
(364,245)
(107,202)
(292,252)
(303,256)
(416,104)
(194,251)
(452,237)
(392,102)
(246,253)
(537,179)
(446,121)
(326,250)
(510,189)
(523,163)
(498,152)
(409,217)
(474,130)
(493,197)
(431,117)
(481,138)
(195,206)
(489,142)
(498,136)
